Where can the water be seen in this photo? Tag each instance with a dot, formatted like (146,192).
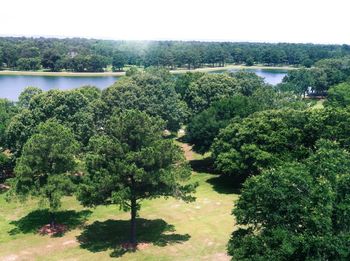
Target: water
(271,76)
(12,85)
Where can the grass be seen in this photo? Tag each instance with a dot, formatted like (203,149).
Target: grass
(319,104)
(172,229)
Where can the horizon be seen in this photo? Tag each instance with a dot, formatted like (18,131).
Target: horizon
(164,40)
(270,21)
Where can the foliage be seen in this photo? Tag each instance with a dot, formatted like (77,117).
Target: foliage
(28,64)
(183,81)
(248,82)
(296,211)
(150,92)
(7,111)
(44,166)
(131,161)
(319,79)
(118,61)
(339,95)
(268,138)
(208,89)
(204,126)
(71,108)
(26,95)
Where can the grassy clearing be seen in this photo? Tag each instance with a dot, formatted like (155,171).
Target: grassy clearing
(172,229)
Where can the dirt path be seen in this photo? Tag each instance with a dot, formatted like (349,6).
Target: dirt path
(187,149)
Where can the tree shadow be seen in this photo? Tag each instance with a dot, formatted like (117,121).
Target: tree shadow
(112,234)
(205,165)
(36,219)
(226,184)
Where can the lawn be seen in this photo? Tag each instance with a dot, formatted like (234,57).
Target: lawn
(169,229)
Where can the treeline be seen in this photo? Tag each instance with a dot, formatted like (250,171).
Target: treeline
(91,55)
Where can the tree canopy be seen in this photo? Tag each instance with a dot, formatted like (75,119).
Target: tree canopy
(269,138)
(148,92)
(45,166)
(130,161)
(296,211)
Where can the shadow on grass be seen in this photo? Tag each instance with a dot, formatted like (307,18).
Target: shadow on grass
(32,222)
(226,184)
(203,165)
(112,234)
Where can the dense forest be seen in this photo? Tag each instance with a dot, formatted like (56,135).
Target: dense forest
(287,153)
(91,55)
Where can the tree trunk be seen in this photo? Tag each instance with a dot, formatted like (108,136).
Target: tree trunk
(52,220)
(133,223)
(133,214)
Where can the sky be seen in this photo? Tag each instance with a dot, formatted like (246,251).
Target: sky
(300,21)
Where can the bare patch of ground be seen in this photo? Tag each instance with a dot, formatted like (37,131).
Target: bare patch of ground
(52,231)
(187,149)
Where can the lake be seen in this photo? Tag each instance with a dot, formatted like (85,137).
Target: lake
(12,85)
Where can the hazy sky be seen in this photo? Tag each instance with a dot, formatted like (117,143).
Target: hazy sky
(313,21)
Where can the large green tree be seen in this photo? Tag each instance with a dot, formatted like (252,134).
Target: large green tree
(208,89)
(205,126)
(45,166)
(296,211)
(131,161)
(268,138)
(152,92)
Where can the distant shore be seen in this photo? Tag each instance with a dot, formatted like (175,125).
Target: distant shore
(118,74)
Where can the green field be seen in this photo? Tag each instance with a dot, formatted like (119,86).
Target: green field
(169,229)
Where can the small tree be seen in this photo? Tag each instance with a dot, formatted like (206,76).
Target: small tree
(43,168)
(130,162)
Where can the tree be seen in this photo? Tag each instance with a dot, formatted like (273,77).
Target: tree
(26,95)
(132,71)
(129,162)
(28,64)
(118,61)
(296,211)
(43,170)
(152,92)
(269,138)
(339,96)
(51,59)
(209,88)
(95,63)
(205,126)
(7,111)
(183,81)
(298,81)
(248,82)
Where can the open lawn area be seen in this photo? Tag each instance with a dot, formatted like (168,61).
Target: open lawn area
(167,229)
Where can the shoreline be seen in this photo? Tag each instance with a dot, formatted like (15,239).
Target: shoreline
(119,74)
